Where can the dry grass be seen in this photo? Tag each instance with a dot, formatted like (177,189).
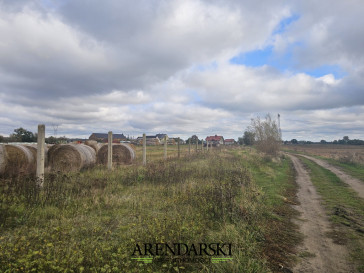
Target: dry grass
(155,153)
(90,221)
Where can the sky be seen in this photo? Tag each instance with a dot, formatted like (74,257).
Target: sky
(182,67)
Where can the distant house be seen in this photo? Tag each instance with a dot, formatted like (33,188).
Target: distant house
(171,141)
(181,141)
(230,141)
(174,141)
(101,137)
(150,140)
(153,140)
(161,137)
(215,140)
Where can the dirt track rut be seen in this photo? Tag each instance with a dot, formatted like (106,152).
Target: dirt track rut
(319,252)
(354,183)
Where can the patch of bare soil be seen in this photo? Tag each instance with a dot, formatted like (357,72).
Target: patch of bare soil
(354,183)
(318,253)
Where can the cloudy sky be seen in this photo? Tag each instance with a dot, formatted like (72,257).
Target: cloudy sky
(182,67)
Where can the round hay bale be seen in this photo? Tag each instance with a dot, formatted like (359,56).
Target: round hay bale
(71,157)
(132,146)
(33,149)
(19,160)
(93,143)
(122,154)
(2,159)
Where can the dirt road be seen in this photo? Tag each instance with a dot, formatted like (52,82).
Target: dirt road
(354,183)
(319,253)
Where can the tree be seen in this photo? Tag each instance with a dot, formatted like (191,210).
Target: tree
(23,135)
(248,138)
(51,140)
(323,141)
(266,132)
(294,141)
(346,139)
(193,139)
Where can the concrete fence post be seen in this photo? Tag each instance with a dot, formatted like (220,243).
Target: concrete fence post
(179,148)
(207,145)
(196,144)
(189,146)
(40,154)
(109,151)
(165,147)
(144,149)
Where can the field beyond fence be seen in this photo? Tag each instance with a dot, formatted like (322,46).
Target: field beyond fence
(341,153)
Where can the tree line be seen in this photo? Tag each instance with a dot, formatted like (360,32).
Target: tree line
(344,141)
(24,135)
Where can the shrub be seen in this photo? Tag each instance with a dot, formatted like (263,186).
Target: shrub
(267,137)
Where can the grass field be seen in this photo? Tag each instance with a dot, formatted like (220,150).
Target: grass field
(341,153)
(91,221)
(345,209)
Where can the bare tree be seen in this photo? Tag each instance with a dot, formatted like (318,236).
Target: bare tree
(267,137)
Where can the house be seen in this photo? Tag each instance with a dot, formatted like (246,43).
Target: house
(174,141)
(161,137)
(153,140)
(150,140)
(101,137)
(215,140)
(171,141)
(230,141)
(181,141)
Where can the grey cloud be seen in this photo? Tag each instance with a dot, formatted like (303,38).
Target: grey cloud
(243,89)
(330,32)
(133,66)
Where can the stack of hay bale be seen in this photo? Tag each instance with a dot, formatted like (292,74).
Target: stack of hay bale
(18,160)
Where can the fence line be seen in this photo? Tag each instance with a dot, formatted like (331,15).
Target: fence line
(41,153)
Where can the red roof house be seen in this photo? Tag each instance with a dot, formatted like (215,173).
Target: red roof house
(215,140)
(229,141)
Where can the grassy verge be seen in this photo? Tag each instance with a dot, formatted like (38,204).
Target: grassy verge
(91,221)
(354,169)
(345,209)
(277,181)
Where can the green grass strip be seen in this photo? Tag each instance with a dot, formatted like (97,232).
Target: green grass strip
(353,169)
